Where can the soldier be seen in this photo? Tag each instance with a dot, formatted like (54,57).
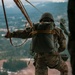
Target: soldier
(46,43)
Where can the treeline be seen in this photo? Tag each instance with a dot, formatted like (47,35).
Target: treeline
(3,73)
(7,50)
(14,65)
(14,54)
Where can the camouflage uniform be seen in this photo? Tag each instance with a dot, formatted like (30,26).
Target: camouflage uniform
(50,59)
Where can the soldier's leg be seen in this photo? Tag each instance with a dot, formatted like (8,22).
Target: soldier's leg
(40,67)
(54,61)
(62,67)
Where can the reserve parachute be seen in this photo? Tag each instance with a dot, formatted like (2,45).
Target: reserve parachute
(42,37)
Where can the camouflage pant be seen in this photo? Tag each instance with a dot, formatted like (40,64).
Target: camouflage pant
(53,60)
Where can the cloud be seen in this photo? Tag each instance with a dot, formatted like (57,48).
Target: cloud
(10,6)
(48,0)
(10,3)
(7,2)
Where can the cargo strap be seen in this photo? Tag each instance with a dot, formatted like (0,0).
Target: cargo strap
(43,31)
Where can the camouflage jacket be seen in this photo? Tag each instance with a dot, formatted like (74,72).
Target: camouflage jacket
(59,40)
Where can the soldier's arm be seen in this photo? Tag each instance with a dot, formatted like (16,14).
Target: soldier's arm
(63,26)
(20,34)
(64,29)
(62,42)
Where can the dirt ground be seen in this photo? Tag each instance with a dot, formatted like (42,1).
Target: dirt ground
(30,70)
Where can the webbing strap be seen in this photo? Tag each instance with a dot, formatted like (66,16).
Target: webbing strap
(23,10)
(8,32)
(43,31)
(6,20)
(33,6)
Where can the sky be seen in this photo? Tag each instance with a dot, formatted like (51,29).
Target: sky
(11,2)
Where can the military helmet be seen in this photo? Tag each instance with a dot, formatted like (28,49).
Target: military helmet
(47,16)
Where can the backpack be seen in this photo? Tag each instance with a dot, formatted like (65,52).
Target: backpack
(43,37)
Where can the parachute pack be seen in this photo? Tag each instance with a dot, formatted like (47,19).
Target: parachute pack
(42,37)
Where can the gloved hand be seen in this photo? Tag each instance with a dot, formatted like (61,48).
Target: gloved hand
(8,35)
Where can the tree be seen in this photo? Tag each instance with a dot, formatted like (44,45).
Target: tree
(3,73)
(14,65)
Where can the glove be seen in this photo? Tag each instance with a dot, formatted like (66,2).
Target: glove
(8,35)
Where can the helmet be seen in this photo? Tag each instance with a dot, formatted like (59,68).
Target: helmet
(47,17)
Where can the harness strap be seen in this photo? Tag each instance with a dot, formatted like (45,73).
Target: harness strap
(33,6)
(43,31)
(8,26)
(23,10)
(6,20)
